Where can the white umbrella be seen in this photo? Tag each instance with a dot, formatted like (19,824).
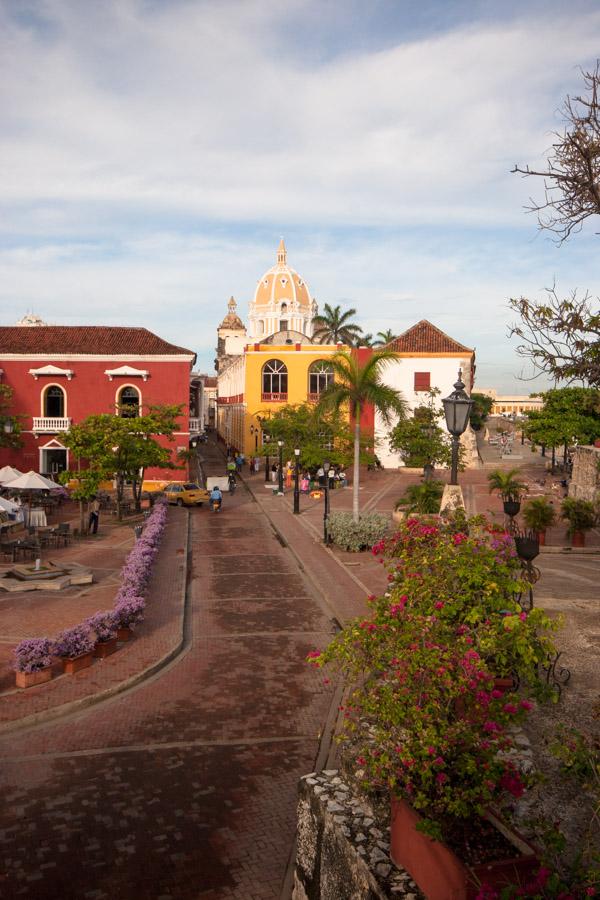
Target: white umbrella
(31,481)
(9,506)
(8,473)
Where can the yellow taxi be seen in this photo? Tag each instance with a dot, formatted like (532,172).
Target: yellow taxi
(186,494)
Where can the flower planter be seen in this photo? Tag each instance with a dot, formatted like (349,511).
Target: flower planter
(74,664)
(511,507)
(542,538)
(124,634)
(29,679)
(398,516)
(578,539)
(105,648)
(439,872)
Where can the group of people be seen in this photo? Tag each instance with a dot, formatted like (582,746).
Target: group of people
(309,480)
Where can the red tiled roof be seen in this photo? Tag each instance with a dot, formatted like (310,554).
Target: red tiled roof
(73,339)
(426,338)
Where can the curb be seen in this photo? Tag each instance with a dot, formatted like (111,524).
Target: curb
(67,709)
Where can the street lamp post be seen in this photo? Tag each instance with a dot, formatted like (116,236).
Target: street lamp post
(457,409)
(266,440)
(297,481)
(326,467)
(280,486)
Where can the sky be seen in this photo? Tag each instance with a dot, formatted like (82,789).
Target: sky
(153,152)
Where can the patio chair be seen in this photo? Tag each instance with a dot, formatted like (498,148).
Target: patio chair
(64,533)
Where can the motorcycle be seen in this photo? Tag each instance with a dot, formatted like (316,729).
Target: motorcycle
(215,505)
(231,483)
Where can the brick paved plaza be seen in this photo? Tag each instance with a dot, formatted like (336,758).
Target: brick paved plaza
(184,784)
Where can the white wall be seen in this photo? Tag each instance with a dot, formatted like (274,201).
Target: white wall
(400,374)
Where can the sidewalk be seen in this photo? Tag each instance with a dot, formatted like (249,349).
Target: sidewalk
(155,641)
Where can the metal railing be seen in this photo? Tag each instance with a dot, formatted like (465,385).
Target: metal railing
(277,398)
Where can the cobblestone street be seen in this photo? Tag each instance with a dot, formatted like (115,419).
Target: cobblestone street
(184,786)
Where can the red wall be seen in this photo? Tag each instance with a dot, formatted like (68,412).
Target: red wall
(89,393)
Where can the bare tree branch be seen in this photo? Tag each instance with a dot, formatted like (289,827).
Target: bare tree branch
(572,177)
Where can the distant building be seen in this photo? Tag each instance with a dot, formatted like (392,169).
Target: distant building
(427,358)
(511,404)
(62,374)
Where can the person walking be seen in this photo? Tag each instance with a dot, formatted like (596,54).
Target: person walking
(94,516)
(288,474)
(256,464)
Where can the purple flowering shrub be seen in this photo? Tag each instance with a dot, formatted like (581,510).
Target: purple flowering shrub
(103,624)
(75,641)
(33,654)
(129,611)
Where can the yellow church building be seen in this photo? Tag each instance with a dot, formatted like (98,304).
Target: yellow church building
(274,363)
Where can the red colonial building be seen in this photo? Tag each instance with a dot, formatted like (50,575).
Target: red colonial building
(62,374)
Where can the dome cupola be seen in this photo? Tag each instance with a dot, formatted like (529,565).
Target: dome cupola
(282,301)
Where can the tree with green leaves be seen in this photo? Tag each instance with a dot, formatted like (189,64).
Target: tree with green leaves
(482,405)
(120,447)
(365,340)
(355,386)
(420,440)
(10,424)
(569,415)
(318,434)
(333,326)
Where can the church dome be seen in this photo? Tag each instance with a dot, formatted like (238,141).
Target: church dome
(281,284)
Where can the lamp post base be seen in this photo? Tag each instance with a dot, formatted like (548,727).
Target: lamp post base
(452,499)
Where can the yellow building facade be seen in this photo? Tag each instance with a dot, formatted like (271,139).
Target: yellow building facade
(264,379)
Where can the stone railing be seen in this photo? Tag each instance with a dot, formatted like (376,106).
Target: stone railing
(51,423)
(195,426)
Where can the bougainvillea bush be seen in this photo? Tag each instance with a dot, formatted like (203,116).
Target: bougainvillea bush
(426,717)
(75,641)
(129,611)
(33,654)
(103,624)
(470,584)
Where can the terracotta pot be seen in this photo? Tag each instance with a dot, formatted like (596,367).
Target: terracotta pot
(73,664)
(124,634)
(504,684)
(29,679)
(105,648)
(439,872)
(578,539)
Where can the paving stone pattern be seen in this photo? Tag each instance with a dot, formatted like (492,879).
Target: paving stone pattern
(184,787)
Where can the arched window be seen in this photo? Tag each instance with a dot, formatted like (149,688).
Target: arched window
(274,380)
(261,326)
(128,400)
(54,402)
(320,376)
(283,308)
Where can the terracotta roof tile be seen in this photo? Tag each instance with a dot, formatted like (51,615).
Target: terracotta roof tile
(426,338)
(94,339)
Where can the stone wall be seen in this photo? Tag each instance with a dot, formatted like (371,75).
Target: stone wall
(585,480)
(342,851)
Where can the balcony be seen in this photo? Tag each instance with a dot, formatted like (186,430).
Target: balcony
(51,424)
(313,398)
(274,398)
(195,425)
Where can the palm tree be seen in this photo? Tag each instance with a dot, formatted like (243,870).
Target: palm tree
(383,338)
(335,327)
(357,385)
(507,484)
(365,340)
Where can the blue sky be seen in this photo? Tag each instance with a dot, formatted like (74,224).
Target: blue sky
(153,153)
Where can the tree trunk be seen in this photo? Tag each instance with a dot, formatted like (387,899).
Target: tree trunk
(81,519)
(355,507)
(120,486)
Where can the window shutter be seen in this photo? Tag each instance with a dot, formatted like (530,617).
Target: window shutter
(422,381)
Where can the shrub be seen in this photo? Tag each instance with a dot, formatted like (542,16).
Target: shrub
(422,498)
(580,514)
(33,654)
(539,514)
(129,611)
(355,536)
(75,641)
(103,624)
